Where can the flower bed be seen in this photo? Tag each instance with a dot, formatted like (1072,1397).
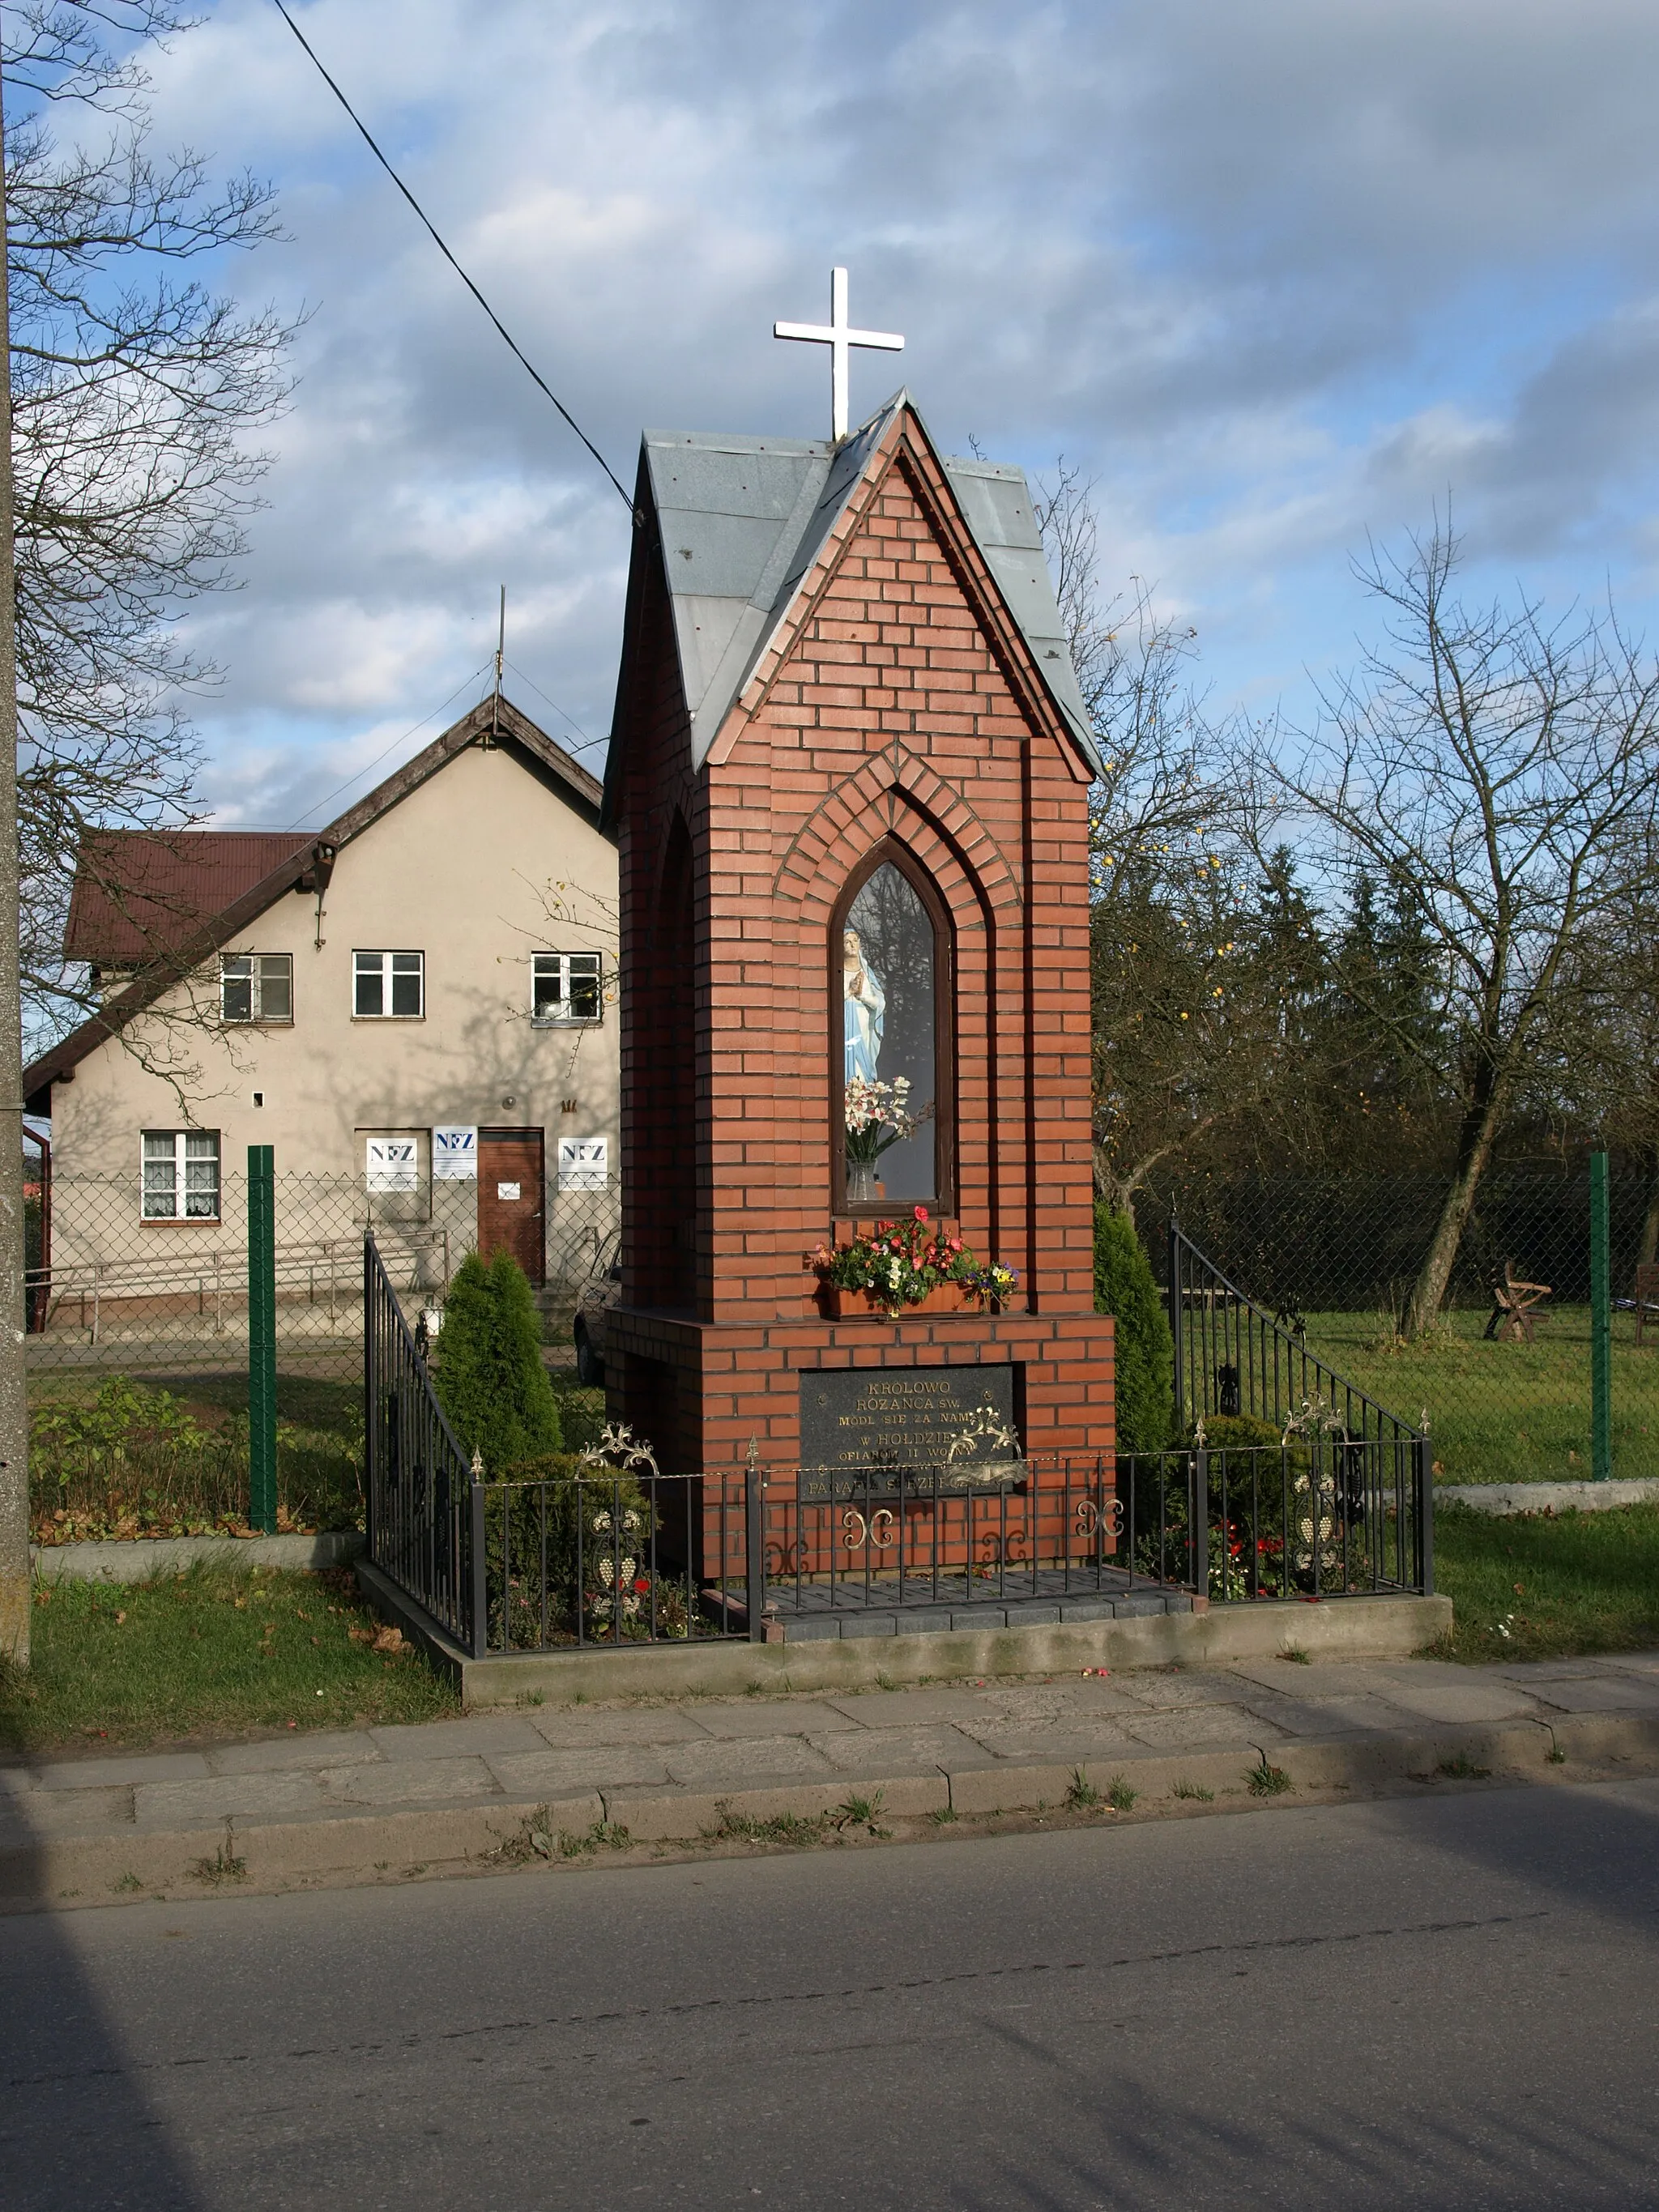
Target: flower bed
(136,1461)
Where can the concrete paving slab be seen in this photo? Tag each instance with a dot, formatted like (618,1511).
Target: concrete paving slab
(1607,1695)
(1202,1725)
(229,1796)
(874,1751)
(596,1767)
(1334,1715)
(486,1733)
(409,1781)
(102,1773)
(60,1812)
(1469,1699)
(1419,1674)
(732,1763)
(1078,1738)
(912,1708)
(1319,1679)
(1179,1692)
(574,1727)
(766,1716)
(1046,1700)
(330,1748)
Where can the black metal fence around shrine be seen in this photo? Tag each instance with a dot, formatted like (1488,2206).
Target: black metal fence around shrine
(611,1556)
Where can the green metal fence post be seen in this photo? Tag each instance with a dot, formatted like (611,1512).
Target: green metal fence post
(262,1338)
(1600,1324)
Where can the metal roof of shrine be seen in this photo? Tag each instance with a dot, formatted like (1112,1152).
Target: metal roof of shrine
(743,520)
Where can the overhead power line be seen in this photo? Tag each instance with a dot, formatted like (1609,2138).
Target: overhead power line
(535,375)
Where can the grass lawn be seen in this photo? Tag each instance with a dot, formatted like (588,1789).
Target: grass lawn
(212,1653)
(1561,1585)
(1504,1412)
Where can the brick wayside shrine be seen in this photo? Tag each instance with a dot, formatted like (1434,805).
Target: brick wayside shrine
(848,776)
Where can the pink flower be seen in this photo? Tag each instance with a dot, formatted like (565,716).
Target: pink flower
(921,1213)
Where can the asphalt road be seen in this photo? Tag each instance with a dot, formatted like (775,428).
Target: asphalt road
(1448,2002)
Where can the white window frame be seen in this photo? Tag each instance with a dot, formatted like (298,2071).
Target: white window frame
(557,968)
(190,1148)
(255,969)
(382,966)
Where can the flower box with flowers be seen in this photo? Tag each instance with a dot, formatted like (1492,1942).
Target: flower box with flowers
(907,1267)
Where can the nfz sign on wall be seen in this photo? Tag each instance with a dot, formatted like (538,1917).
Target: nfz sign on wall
(392,1163)
(455,1152)
(584,1162)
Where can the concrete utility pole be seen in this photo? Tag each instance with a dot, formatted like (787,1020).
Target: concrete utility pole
(14,1394)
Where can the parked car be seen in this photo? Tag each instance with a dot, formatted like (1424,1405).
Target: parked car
(593,1303)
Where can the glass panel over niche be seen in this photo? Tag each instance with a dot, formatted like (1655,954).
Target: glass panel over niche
(889,1012)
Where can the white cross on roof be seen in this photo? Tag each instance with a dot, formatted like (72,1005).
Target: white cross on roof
(839,338)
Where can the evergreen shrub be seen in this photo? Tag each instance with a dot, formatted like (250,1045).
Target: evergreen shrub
(488,1371)
(1145,1354)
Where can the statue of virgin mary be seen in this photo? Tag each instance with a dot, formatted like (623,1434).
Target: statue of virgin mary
(865,1010)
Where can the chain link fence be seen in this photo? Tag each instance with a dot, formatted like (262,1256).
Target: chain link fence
(109,1291)
(137,1338)
(1335,1258)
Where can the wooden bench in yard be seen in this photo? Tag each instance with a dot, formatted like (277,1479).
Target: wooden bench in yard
(1510,1321)
(1647,1294)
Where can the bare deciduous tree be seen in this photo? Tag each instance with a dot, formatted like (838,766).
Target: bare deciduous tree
(1157,795)
(135,387)
(1163,1022)
(1505,767)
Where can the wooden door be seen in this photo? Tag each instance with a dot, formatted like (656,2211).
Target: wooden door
(512,1197)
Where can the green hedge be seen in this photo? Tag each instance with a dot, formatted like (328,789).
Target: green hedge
(1145,1354)
(488,1372)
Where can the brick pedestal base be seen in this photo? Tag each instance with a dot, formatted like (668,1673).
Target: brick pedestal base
(700,1390)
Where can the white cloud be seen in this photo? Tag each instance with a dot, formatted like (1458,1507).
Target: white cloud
(1279,276)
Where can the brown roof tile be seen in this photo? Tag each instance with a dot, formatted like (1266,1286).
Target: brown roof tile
(139,893)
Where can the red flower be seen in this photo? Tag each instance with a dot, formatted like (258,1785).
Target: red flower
(641,1585)
(921,1213)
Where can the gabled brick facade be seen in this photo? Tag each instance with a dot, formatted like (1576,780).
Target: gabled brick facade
(897,698)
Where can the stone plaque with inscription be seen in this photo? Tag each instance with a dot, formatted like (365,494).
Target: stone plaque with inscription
(893,1430)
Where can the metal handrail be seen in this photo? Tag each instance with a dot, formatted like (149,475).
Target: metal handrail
(423,1500)
(1264,1385)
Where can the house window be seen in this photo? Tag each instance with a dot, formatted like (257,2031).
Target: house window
(181,1174)
(566,988)
(256,987)
(388,986)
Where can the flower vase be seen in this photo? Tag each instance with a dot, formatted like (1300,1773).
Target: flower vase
(862,1188)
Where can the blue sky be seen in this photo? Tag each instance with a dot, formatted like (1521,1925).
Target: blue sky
(1276,277)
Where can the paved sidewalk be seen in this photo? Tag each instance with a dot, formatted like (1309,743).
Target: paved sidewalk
(301,1807)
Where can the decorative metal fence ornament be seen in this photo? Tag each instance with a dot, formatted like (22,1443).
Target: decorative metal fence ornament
(985,1429)
(619,1449)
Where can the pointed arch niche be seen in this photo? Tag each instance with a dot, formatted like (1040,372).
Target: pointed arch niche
(893,1039)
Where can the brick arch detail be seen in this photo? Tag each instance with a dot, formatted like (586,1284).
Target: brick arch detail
(985,912)
(838,832)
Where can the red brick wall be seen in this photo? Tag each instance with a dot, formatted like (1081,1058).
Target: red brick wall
(904,705)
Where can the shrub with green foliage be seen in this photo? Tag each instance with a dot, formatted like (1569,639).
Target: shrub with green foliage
(488,1371)
(1146,1355)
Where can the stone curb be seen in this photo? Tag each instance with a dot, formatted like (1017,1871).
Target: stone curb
(1509,1497)
(148,1558)
(1339,1628)
(114,1866)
